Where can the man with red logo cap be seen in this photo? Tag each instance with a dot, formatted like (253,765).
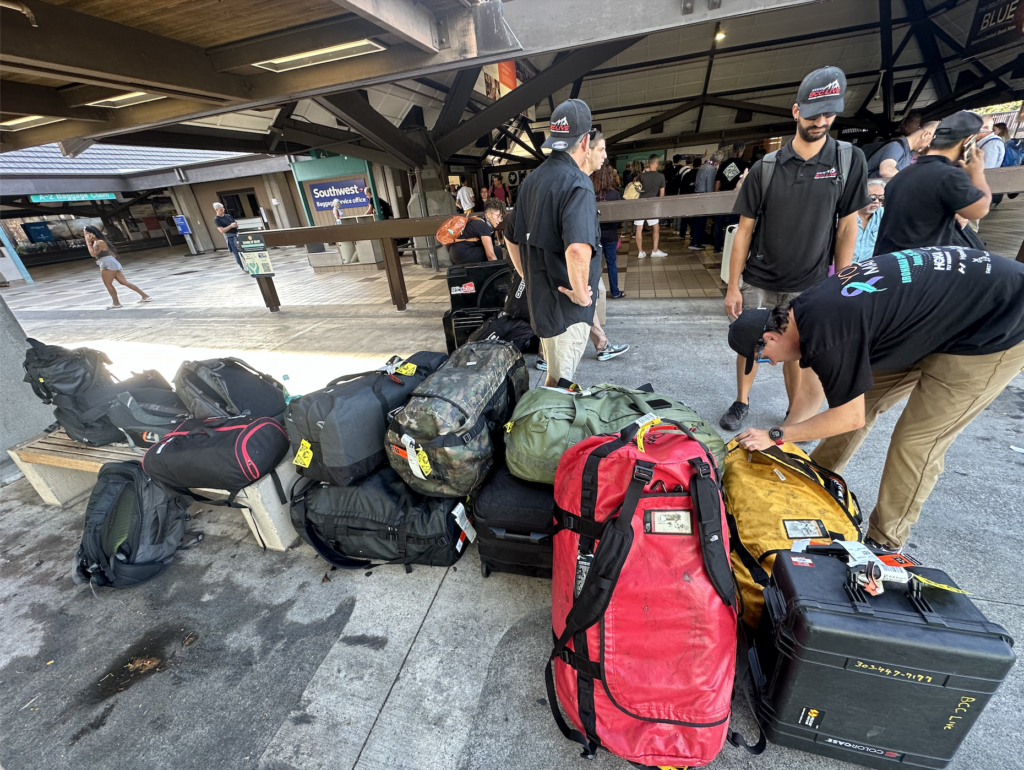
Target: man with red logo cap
(552,237)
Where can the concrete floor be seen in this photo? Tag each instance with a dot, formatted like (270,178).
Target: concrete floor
(292,667)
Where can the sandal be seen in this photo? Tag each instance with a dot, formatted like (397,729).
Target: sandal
(145,299)
(620,295)
(114,307)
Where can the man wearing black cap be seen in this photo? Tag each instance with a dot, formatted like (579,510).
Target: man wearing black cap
(922,201)
(798,210)
(943,326)
(552,237)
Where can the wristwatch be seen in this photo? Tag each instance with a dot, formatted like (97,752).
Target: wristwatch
(775,434)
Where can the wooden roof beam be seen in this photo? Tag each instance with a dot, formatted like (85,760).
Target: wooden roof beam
(26,99)
(410,21)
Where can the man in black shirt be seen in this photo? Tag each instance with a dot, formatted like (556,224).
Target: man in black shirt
(728,176)
(923,201)
(552,237)
(942,325)
(227,226)
(805,218)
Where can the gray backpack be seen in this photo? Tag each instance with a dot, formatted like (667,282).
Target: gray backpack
(133,527)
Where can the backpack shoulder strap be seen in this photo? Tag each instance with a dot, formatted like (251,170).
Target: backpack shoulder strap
(767,172)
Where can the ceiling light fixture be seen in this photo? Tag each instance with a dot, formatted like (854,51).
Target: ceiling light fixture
(29,121)
(719,36)
(320,56)
(127,100)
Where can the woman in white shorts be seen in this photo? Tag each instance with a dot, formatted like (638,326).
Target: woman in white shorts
(110,269)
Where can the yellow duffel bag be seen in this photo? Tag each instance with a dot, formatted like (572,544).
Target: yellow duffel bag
(774,498)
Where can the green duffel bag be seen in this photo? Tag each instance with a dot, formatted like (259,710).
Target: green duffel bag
(547,421)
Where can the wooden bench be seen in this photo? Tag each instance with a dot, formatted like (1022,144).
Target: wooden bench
(63,472)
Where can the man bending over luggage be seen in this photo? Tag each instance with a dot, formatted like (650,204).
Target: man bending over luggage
(552,236)
(942,325)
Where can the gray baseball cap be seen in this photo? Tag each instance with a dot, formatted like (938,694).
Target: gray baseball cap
(570,120)
(822,91)
(960,125)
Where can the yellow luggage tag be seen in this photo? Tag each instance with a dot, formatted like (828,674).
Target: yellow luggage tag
(421,458)
(304,455)
(508,426)
(646,422)
(943,586)
(406,369)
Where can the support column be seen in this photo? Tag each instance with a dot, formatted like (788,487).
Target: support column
(185,202)
(23,415)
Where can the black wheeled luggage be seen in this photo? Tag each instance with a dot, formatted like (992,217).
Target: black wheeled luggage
(460,325)
(479,285)
(895,680)
(513,520)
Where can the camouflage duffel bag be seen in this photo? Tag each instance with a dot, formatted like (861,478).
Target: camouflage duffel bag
(442,442)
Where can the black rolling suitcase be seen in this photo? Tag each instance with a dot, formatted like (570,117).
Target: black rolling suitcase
(479,285)
(513,519)
(459,325)
(895,680)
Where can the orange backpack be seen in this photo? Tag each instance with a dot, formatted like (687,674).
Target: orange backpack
(452,228)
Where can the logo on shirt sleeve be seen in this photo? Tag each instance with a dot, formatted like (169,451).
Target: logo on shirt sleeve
(832,89)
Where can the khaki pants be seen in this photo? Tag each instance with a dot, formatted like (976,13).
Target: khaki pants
(564,352)
(946,393)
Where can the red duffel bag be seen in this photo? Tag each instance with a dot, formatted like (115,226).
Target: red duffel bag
(643,600)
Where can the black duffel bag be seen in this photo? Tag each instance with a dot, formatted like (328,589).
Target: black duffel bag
(52,370)
(513,330)
(379,519)
(343,426)
(227,453)
(84,416)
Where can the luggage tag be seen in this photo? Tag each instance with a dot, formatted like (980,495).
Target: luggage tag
(646,422)
(304,454)
(468,530)
(406,369)
(416,457)
(871,580)
(583,564)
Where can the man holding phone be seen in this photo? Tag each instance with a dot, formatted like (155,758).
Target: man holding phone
(922,201)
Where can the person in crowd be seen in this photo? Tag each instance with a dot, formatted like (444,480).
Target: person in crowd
(228,227)
(868,220)
(552,238)
(923,201)
(899,153)
(476,242)
(337,211)
(942,326)
(604,187)
(729,174)
(481,199)
(808,219)
(704,182)
(499,190)
(653,183)
(105,254)
(684,169)
(465,197)
(1003,132)
(990,143)
(453,190)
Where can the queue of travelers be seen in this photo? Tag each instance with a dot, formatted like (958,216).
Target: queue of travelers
(814,283)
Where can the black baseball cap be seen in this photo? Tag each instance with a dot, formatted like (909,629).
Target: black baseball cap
(822,91)
(570,120)
(960,125)
(745,333)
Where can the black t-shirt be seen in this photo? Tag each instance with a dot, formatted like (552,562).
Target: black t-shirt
(920,202)
(652,182)
(610,230)
(688,181)
(793,247)
(889,312)
(555,207)
(466,252)
(729,174)
(223,221)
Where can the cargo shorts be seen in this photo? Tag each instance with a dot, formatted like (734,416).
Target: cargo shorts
(754,296)
(564,352)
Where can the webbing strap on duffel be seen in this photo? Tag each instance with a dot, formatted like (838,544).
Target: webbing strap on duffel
(757,572)
(815,472)
(707,500)
(749,664)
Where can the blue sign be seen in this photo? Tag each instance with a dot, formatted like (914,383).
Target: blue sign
(182,224)
(351,192)
(38,232)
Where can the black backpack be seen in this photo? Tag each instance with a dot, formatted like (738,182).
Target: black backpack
(227,387)
(380,519)
(513,330)
(133,526)
(337,433)
(52,370)
(146,415)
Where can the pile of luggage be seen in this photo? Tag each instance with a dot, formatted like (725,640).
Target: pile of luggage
(488,301)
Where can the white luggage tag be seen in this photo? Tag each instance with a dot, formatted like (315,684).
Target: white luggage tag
(413,457)
(861,554)
(459,512)
(391,365)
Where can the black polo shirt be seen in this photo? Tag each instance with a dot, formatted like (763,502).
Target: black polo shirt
(555,207)
(889,312)
(920,203)
(793,246)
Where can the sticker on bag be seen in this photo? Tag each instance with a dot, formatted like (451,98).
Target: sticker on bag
(304,454)
(668,522)
(801,529)
(406,369)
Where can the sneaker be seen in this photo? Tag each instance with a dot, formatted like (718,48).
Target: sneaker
(542,364)
(874,545)
(611,351)
(658,253)
(114,307)
(642,255)
(733,419)
(620,295)
(693,247)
